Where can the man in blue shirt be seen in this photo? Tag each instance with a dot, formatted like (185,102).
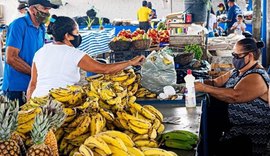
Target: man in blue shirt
(25,36)
(232,13)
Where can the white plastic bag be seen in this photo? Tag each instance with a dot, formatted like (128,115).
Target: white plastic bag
(158,71)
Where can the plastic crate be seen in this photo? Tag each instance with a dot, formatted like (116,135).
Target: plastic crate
(118,56)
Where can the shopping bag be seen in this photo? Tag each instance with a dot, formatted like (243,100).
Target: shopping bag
(158,71)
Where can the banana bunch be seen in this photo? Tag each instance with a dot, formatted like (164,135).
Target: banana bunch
(180,139)
(26,120)
(144,93)
(118,144)
(70,95)
(35,102)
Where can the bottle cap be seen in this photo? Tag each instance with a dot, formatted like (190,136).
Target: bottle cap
(189,71)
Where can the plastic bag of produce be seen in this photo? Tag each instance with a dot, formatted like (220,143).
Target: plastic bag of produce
(158,71)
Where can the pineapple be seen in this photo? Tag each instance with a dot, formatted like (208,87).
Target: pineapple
(8,124)
(40,129)
(57,119)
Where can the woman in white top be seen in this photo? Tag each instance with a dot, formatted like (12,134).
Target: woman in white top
(239,26)
(57,64)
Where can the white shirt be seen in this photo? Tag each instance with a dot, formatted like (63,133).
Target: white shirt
(212,21)
(57,66)
(238,29)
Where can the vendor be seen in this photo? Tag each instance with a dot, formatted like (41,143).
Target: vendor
(244,91)
(232,13)
(22,8)
(212,24)
(143,15)
(58,64)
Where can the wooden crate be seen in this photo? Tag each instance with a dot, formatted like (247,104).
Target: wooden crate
(219,69)
(182,40)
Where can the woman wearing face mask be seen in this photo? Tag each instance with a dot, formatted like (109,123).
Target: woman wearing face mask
(244,94)
(57,64)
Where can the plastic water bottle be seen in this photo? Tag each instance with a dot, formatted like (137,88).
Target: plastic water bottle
(190,97)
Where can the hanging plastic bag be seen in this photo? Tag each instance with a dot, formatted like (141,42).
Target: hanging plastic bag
(158,71)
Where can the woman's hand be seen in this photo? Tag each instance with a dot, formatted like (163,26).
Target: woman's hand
(137,61)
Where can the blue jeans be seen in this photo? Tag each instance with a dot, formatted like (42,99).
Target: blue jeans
(13,95)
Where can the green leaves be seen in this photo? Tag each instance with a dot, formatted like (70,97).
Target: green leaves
(196,49)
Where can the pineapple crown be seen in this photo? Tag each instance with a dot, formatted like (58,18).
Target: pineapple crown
(56,113)
(41,127)
(8,117)
(52,116)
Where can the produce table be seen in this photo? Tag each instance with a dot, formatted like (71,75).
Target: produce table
(189,119)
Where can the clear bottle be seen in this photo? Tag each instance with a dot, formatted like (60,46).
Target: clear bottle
(190,96)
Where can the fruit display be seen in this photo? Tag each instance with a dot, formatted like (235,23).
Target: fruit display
(98,118)
(124,35)
(153,34)
(164,36)
(161,36)
(180,139)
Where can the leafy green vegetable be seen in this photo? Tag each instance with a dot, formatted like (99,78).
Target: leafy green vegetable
(196,49)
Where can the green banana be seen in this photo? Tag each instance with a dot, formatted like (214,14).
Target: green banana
(193,135)
(177,134)
(178,144)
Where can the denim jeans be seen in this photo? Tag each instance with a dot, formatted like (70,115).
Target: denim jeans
(19,95)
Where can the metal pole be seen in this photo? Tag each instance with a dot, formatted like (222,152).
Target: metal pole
(171,6)
(265,56)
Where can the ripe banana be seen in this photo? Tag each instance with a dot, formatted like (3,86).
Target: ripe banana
(124,123)
(122,94)
(124,137)
(73,151)
(151,95)
(26,116)
(161,129)
(129,133)
(135,151)
(81,129)
(96,142)
(155,151)
(154,111)
(117,87)
(76,122)
(132,99)
(79,140)
(130,80)
(104,94)
(140,123)
(114,101)
(95,77)
(26,127)
(141,137)
(118,151)
(115,141)
(146,143)
(98,151)
(138,130)
(143,111)
(59,133)
(69,111)
(107,114)
(119,78)
(77,96)
(85,150)
(70,118)
(152,133)
(156,123)
(97,124)
(134,88)
(92,93)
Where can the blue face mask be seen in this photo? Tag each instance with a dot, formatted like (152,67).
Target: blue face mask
(239,63)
